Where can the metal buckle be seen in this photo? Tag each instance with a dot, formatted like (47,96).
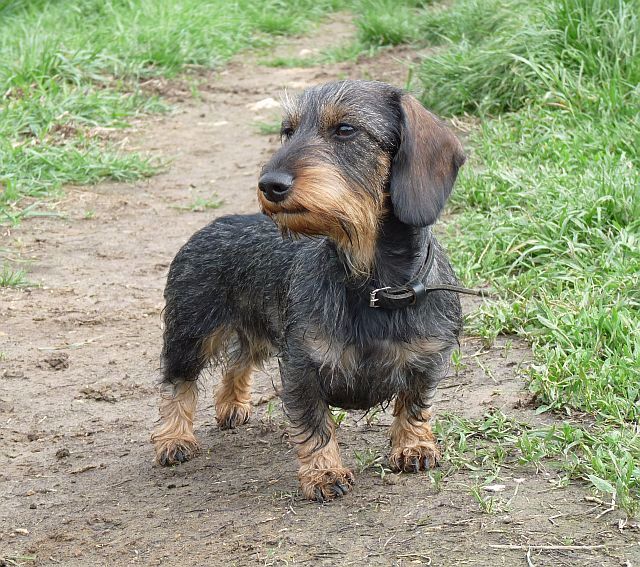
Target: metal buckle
(373,299)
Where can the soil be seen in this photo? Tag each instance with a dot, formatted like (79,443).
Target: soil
(79,366)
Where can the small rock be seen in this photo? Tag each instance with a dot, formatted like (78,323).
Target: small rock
(100,394)
(264,104)
(13,375)
(494,488)
(55,361)
(391,478)
(62,453)
(33,506)
(21,531)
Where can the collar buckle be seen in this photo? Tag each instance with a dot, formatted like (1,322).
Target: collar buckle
(373,297)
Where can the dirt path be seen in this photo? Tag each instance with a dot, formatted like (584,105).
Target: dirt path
(77,399)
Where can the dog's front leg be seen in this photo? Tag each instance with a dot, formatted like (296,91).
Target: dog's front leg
(322,475)
(413,444)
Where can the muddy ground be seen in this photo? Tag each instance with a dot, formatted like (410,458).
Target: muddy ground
(80,357)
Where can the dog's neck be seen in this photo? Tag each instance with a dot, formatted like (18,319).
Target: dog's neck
(400,252)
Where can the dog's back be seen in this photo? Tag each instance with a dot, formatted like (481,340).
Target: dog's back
(230,276)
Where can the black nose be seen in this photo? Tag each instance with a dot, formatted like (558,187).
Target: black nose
(276,186)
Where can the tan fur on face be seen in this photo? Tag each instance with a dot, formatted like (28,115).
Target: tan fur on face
(321,469)
(175,432)
(332,115)
(413,444)
(322,204)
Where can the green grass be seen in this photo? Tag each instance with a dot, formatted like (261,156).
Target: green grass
(548,206)
(268,128)
(10,277)
(492,446)
(556,186)
(351,51)
(69,70)
(388,22)
(202,204)
(366,459)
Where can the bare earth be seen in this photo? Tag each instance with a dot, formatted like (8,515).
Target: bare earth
(78,400)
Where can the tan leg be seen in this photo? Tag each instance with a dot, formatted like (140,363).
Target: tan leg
(233,397)
(322,475)
(173,439)
(413,444)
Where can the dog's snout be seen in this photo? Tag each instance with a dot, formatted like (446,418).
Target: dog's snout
(276,186)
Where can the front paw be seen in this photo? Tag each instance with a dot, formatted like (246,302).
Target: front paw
(323,485)
(415,458)
(175,450)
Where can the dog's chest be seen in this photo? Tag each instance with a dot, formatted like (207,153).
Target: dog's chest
(360,377)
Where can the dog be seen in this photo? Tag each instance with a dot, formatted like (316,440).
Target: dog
(341,278)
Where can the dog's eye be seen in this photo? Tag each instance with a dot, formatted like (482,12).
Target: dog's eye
(344,131)
(286,132)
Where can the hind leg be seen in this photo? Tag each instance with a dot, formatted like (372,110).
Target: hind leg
(413,445)
(233,395)
(183,360)
(173,438)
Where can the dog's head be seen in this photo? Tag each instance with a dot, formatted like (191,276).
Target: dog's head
(352,151)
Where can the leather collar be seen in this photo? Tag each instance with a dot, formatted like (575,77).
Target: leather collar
(413,291)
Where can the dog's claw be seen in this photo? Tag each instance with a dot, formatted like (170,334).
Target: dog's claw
(237,416)
(414,459)
(328,485)
(176,455)
(340,489)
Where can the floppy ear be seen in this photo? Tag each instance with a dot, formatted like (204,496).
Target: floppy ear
(425,166)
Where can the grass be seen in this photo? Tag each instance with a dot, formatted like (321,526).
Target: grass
(268,128)
(10,277)
(338,416)
(351,51)
(604,456)
(366,459)
(548,207)
(388,22)
(558,190)
(70,72)
(202,204)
